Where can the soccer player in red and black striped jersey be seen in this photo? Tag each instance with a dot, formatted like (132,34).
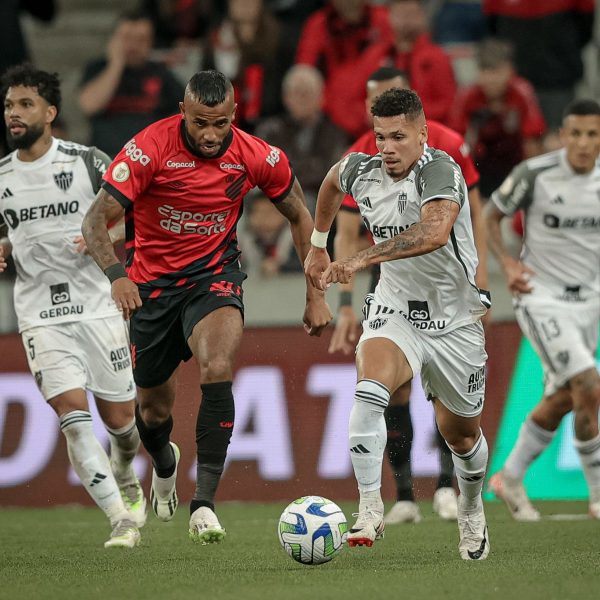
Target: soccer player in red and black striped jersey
(182,181)
(348,221)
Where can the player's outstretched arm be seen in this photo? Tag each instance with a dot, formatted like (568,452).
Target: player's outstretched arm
(516,273)
(293,207)
(430,233)
(104,210)
(329,200)
(346,244)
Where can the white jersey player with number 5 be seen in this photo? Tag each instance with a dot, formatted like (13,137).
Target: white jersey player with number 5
(74,336)
(556,287)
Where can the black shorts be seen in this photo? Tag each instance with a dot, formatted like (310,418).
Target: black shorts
(159,330)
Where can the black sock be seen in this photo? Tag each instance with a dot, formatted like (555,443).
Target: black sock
(213,433)
(399,446)
(446,463)
(156,442)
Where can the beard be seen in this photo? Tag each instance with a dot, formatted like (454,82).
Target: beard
(24,141)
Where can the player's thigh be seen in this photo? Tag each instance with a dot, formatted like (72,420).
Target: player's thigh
(459,432)
(54,358)
(66,402)
(560,335)
(105,353)
(214,342)
(157,342)
(389,350)
(455,371)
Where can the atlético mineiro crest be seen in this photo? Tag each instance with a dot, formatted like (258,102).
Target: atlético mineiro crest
(64,180)
(402,202)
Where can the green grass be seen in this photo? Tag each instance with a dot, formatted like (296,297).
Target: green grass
(58,553)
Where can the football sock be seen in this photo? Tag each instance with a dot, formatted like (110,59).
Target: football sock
(470,472)
(589,454)
(368,433)
(399,446)
(124,443)
(532,441)
(446,462)
(91,464)
(156,442)
(214,427)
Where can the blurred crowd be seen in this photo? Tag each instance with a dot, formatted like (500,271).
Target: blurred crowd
(497,71)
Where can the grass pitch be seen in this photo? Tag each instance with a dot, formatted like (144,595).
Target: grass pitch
(58,553)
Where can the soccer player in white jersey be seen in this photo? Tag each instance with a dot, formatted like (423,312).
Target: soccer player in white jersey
(425,313)
(556,290)
(74,337)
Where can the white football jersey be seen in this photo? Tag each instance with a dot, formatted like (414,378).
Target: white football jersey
(43,203)
(562,225)
(435,292)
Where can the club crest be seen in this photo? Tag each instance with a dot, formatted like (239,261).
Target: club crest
(63,180)
(402,202)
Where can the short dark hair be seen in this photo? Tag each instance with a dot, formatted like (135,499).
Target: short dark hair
(387,73)
(47,84)
(581,107)
(397,101)
(493,52)
(209,87)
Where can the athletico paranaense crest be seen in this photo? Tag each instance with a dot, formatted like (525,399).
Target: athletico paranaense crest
(64,180)
(402,202)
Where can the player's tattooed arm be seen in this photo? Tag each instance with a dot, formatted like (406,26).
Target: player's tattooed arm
(429,234)
(103,211)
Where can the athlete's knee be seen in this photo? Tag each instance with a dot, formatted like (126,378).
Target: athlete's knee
(68,402)
(585,389)
(460,441)
(215,369)
(153,414)
(117,415)
(549,413)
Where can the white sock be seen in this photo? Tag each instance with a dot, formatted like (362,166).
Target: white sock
(532,441)
(124,444)
(589,454)
(470,472)
(368,433)
(91,464)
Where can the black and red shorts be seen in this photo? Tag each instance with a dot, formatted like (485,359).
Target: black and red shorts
(159,330)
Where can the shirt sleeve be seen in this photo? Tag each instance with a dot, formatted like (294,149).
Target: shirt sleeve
(349,170)
(133,168)
(96,163)
(516,191)
(441,178)
(272,171)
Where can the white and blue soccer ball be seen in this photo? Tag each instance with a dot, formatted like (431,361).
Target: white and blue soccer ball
(313,530)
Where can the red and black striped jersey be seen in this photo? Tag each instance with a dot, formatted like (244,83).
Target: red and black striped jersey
(183,209)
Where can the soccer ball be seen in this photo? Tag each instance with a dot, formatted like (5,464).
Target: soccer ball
(313,530)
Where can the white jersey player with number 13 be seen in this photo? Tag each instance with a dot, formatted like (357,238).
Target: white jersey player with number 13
(556,288)
(74,336)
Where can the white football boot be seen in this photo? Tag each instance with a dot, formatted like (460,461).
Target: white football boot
(205,527)
(474,536)
(163,493)
(369,524)
(444,503)
(514,495)
(125,534)
(404,511)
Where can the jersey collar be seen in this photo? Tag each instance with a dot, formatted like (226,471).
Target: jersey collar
(224,146)
(42,161)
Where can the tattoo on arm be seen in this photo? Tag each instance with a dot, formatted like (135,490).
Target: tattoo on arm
(104,210)
(429,234)
(293,204)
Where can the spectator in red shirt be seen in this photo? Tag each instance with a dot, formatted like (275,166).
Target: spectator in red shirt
(499,116)
(332,40)
(348,221)
(428,67)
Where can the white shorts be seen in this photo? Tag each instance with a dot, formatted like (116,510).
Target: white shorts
(563,334)
(91,354)
(452,365)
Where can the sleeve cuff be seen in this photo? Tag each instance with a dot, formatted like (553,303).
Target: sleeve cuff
(123,200)
(284,194)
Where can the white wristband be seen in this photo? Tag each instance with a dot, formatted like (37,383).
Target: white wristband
(319,238)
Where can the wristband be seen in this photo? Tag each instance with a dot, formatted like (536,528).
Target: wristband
(115,271)
(345,299)
(319,238)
